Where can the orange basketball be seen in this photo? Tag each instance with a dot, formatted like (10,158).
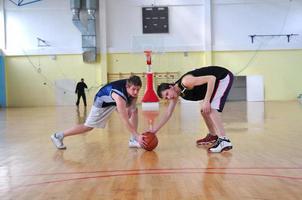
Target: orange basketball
(151,141)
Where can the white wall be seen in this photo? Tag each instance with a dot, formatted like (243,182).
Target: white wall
(50,20)
(125,24)
(2,27)
(235,20)
(232,22)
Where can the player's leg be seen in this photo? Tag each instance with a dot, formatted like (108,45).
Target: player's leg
(78,100)
(84,99)
(211,137)
(78,129)
(223,143)
(216,119)
(57,138)
(97,118)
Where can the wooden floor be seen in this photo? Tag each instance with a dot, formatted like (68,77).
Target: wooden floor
(265,163)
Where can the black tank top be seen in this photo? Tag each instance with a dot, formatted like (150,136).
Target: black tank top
(198,92)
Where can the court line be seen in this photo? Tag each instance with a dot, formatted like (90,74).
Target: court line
(158,173)
(161,169)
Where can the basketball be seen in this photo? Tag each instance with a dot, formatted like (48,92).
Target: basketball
(151,141)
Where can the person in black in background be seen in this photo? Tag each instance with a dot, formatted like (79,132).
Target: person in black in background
(80,90)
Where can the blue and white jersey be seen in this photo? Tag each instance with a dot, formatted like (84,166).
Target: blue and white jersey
(103,97)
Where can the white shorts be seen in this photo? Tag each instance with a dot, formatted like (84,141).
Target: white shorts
(98,117)
(221,93)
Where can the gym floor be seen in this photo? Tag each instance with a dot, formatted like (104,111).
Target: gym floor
(265,163)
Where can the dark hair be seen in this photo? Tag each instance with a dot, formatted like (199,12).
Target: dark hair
(161,87)
(134,80)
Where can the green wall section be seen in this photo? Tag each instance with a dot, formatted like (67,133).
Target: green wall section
(2,83)
(164,62)
(30,80)
(281,70)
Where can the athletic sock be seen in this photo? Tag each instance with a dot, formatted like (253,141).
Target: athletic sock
(223,137)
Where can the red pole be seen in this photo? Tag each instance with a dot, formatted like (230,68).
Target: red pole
(150,95)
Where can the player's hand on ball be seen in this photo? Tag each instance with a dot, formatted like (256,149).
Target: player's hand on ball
(141,140)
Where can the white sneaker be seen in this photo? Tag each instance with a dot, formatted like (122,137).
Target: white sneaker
(57,142)
(221,145)
(133,143)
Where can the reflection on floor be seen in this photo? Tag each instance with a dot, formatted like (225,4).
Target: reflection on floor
(264,164)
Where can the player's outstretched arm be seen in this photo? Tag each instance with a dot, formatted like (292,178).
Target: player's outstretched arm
(123,113)
(133,114)
(166,116)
